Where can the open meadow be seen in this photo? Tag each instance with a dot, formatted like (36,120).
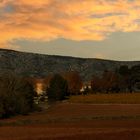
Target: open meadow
(121,98)
(78,119)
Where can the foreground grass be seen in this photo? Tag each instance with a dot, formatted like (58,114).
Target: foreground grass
(65,112)
(88,130)
(107,98)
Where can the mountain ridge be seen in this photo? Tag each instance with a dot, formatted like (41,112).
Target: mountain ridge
(41,65)
(10,50)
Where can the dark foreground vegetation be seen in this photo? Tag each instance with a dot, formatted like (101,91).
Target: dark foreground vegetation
(16,96)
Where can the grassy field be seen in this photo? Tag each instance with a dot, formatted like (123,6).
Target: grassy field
(72,121)
(107,98)
(79,118)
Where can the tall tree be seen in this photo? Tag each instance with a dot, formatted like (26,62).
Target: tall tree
(125,79)
(110,82)
(96,84)
(135,77)
(57,89)
(74,82)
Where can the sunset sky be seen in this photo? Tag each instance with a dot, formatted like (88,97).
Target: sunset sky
(108,29)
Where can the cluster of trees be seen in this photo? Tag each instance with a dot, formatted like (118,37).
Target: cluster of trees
(17,93)
(16,96)
(64,85)
(123,79)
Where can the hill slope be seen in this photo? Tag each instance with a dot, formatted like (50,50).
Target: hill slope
(38,65)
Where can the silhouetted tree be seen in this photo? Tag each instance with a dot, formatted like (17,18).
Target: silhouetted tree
(124,70)
(135,77)
(110,82)
(74,82)
(57,89)
(125,79)
(96,84)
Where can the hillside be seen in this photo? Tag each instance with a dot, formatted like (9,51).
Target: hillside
(38,65)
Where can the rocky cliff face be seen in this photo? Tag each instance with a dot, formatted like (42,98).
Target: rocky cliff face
(37,65)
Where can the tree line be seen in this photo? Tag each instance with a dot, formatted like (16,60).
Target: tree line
(122,80)
(17,93)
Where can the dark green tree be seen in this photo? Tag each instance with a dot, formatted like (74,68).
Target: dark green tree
(124,70)
(135,77)
(57,89)
(125,79)
(96,84)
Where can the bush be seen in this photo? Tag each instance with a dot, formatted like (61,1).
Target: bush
(16,96)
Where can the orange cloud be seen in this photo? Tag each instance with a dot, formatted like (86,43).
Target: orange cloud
(75,19)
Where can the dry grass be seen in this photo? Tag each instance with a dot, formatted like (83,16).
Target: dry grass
(78,121)
(107,98)
(74,112)
(88,130)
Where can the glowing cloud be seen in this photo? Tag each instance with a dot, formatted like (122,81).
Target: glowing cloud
(71,19)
